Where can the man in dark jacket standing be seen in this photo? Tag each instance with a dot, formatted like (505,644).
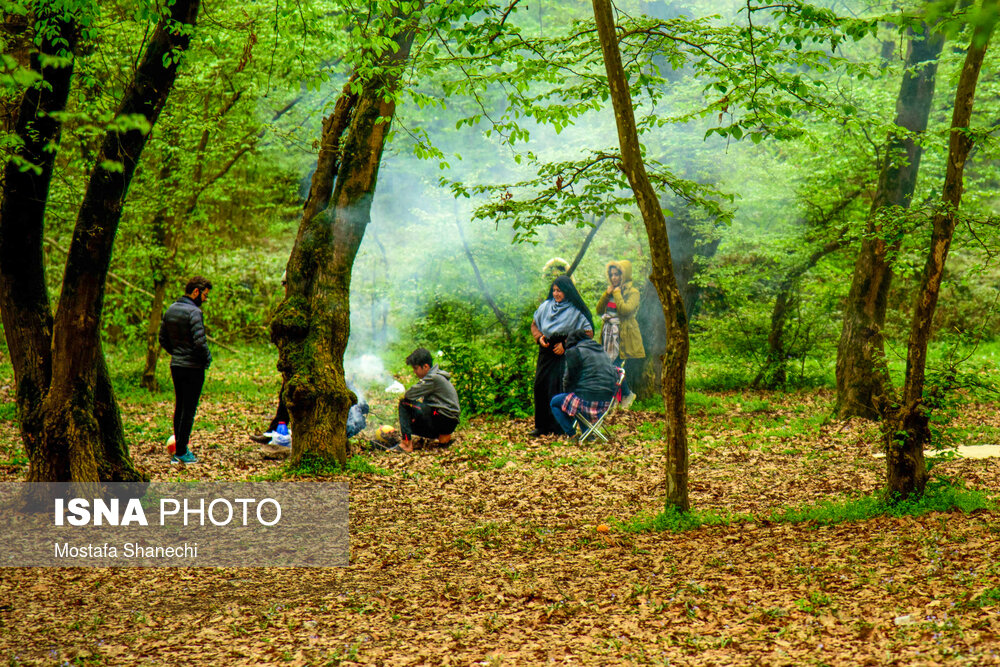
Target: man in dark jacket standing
(182,335)
(589,382)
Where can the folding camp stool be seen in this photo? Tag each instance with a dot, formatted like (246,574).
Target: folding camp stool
(587,429)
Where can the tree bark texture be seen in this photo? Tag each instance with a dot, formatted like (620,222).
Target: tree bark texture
(662,277)
(906,429)
(73,429)
(862,375)
(24,300)
(312,325)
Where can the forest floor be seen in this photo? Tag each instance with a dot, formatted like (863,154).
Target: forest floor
(488,553)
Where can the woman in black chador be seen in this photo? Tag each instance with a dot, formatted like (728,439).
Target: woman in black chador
(564,311)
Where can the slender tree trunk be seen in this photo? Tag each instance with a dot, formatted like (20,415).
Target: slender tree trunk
(312,325)
(906,430)
(586,245)
(501,317)
(676,353)
(862,374)
(653,327)
(774,373)
(149,380)
(687,247)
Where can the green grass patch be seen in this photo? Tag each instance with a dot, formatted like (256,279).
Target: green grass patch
(941,495)
(8,412)
(673,520)
(316,466)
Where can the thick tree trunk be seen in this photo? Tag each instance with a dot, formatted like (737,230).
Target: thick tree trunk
(676,353)
(862,374)
(906,430)
(66,399)
(24,300)
(312,325)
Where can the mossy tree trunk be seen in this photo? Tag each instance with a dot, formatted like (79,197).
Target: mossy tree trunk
(906,428)
(312,324)
(676,352)
(69,415)
(862,375)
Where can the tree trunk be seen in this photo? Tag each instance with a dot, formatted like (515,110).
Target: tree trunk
(586,244)
(862,374)
(24,300)
(676,353)
(906,431)
(499,314)
(148,380)
(312,325)
(653,327)
(65,397)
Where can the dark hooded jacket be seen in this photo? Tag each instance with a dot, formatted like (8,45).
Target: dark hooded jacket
(589,373)
(183,336)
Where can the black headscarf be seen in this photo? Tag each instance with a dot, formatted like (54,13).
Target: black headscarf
(567,287)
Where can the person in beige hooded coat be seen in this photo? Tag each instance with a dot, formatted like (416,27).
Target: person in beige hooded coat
(617,308)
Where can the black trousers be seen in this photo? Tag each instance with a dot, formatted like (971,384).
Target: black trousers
(423,420)
(187,392)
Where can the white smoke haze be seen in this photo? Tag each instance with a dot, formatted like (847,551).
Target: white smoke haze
(366,369)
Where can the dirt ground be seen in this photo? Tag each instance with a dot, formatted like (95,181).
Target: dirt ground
(488,553)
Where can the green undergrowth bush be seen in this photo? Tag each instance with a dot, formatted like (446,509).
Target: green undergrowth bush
(941,495)
(493,374)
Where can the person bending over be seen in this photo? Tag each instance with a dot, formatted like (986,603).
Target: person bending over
(430,407)
(589,382)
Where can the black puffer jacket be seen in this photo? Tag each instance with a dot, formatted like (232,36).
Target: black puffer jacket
(182,334)
(589,372)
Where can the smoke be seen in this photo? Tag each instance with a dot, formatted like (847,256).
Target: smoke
(366,369)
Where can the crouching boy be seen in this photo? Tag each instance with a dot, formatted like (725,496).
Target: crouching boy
(430,407)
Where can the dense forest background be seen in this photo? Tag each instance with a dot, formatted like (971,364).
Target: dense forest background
(765,128)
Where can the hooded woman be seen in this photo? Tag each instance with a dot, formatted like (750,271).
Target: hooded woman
(620,332)
(564,311)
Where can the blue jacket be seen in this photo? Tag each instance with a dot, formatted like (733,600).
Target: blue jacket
(182,334)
